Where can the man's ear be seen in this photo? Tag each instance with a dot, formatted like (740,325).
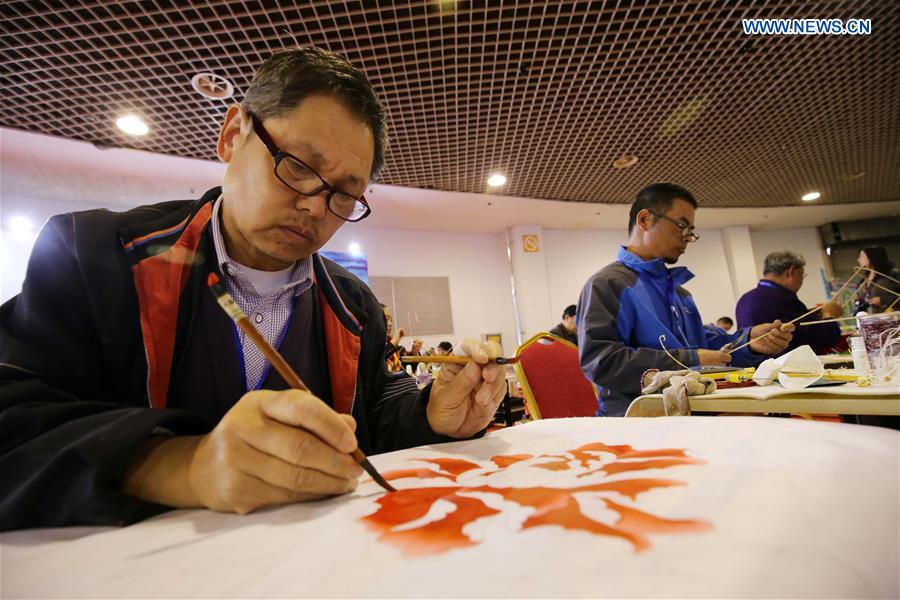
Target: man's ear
(230,133)
(644,219)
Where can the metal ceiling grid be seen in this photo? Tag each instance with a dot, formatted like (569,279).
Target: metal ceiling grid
(548,93)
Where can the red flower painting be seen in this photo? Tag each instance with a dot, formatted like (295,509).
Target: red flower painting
(400,518)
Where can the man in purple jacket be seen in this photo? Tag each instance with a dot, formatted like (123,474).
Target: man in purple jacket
(775,297)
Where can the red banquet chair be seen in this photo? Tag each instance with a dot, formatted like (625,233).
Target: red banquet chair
(554,386)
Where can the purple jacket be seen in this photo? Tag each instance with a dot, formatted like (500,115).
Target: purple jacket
(769,301)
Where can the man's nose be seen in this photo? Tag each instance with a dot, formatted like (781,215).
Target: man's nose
(316,205)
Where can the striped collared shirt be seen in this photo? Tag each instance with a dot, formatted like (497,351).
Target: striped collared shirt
(270,313)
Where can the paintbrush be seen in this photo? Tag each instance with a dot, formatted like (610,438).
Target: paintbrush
(836,319)
(826,376)
(457,360)
(276,360)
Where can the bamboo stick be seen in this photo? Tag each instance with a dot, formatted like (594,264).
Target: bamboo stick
(836,319)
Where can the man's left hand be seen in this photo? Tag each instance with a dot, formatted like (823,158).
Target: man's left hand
(775,342)
(464,398)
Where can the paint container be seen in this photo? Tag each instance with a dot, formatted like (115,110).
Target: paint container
(872,326)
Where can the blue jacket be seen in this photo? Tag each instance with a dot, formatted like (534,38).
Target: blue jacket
(623,310)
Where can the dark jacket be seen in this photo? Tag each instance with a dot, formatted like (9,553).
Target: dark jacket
(769,301)
(887,289)
(561,331)
(113,338)
(623,310)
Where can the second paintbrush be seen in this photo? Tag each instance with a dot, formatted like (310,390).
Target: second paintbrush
(457,360)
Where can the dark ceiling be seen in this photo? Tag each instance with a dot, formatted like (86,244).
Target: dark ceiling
(548,93)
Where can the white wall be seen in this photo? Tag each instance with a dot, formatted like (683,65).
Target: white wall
(806,241)
(475,263)
(573,256)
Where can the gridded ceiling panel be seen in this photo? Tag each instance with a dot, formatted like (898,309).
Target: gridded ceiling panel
(548,93)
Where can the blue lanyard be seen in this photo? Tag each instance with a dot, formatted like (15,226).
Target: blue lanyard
(240,352)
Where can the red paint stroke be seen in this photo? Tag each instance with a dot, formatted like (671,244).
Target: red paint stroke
(454,466)
(557,465)
(662,463)
(552,506)
(504,461)
(434,537)
(417,473)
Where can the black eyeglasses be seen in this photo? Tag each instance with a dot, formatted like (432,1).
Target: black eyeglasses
(303,179)
(687,231)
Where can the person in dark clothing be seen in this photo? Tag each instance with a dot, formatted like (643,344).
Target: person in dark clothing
(879,292)
(725,324)
(392,343)
(125,390)
(775,297)
(629,306)
(567,329)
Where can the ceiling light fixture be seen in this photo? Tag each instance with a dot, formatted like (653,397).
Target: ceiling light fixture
(625,161)
(210,85)
(811,196)
(496,180)
(132,125)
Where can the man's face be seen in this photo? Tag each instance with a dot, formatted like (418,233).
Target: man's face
(569,324)
(862,259)
(268,225)
(663,237)
(389,317)
(793,278)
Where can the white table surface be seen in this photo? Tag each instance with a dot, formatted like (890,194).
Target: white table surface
(849,398)
(792,508)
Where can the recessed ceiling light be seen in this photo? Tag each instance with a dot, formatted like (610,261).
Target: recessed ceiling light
(496,180)
(811,196)
(210,85)
(625,161)
(132,125)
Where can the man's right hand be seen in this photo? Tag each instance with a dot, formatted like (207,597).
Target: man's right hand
(713,358)
(270,448)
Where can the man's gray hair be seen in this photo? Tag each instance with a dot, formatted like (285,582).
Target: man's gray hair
(290,76)
(781,261)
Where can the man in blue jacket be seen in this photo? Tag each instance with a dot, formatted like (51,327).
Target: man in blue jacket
(627,306)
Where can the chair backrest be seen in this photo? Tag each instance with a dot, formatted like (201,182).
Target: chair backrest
(554,386)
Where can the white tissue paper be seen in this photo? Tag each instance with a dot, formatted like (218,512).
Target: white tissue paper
(799,360)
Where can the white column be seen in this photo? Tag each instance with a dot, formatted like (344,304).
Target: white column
(742,268)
